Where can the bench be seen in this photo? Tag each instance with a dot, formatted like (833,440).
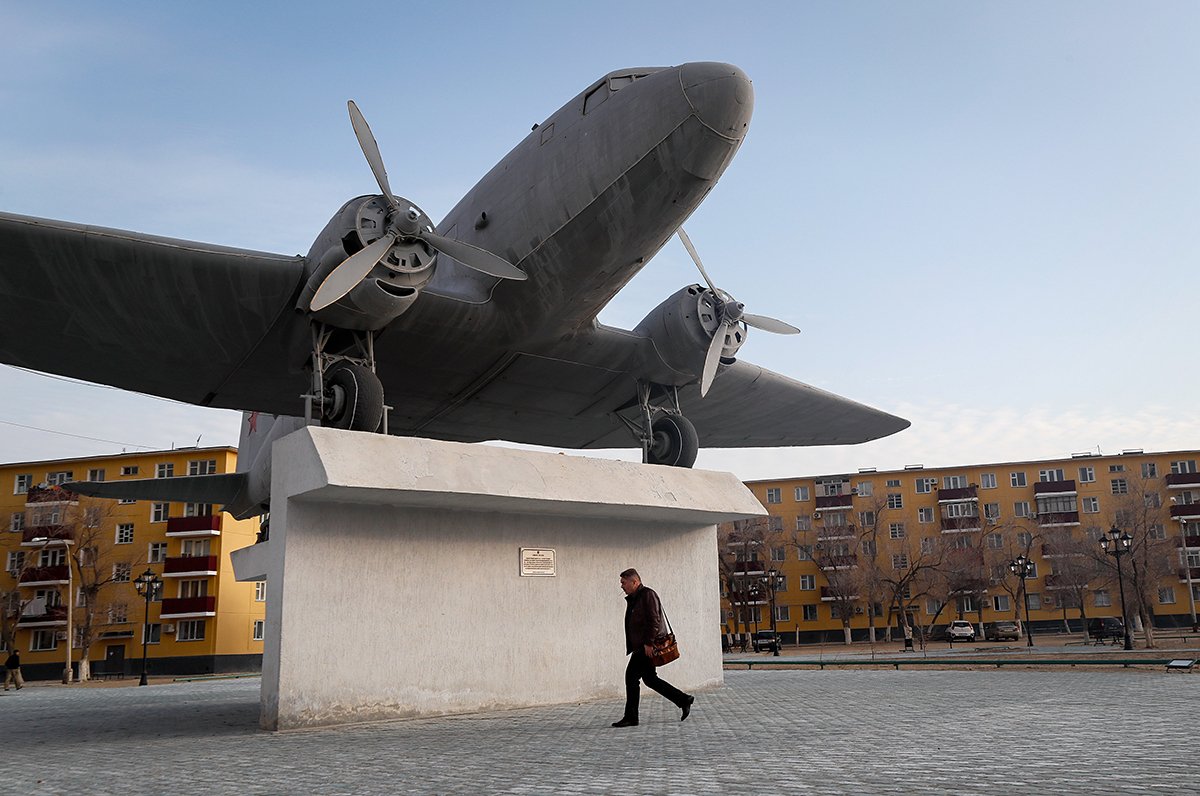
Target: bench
(1180,665)
(897,663)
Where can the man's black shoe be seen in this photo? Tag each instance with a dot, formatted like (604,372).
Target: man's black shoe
(687,708)
(625,723)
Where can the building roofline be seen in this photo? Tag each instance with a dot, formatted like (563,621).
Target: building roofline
(109,456)
(912,470)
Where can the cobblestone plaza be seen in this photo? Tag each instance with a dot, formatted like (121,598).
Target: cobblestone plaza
(823,732)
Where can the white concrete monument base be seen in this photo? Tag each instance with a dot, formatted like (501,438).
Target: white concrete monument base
(395,586)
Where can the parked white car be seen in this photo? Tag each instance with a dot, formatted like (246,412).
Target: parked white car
(960,630)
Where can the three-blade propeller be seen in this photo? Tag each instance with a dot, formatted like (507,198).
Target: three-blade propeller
(729,314)
(402,223)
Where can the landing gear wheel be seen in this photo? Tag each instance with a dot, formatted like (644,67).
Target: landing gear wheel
(353,398)
(673,442)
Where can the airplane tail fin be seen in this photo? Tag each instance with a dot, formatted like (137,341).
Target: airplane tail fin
(256,432)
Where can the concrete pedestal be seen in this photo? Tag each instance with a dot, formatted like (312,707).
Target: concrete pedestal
(394,583)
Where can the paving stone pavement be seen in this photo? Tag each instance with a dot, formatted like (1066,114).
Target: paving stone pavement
(811,732)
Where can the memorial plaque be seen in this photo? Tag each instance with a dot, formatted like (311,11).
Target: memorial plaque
(537,562)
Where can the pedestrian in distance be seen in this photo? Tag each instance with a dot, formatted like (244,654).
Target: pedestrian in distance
(643,626)
(12,670)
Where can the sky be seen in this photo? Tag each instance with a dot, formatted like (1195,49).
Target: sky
(982,216)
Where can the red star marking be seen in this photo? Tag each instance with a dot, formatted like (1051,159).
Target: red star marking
(253,421)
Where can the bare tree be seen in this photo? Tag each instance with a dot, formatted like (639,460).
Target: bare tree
(1074,571)
(739,549)
(1137,509)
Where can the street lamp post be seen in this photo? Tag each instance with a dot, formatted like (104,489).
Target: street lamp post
(146,584)
(1118,543)
(1022,567)
(771,582)
(1187,573)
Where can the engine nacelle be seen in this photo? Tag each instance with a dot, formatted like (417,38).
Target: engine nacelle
(681,329)
(393,284)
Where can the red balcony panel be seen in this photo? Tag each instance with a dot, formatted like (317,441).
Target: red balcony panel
(45,574)
(180,564)
(1183,575)
(1185,510)
(1181,480)
(835,501)
(38,533)
(188,605)
(1192,541)
(209,522)
(743,567)
(54,613)
(963,493)
(1058,518)
(837,562)
(1042,488)
(961,523)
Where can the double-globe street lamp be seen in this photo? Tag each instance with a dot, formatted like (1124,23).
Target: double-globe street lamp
(1118,543)
(1022,567)
(147,585)
(771,583)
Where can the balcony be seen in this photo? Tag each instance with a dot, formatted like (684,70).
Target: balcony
(836,532)
(1192,541)
(208,525)
(838,562)
(45,576)
(43,535)
(40,495)
(54,616)
(961,524)
(189,566)
(749,567)
(1185,511)
(1050,551)
(1053,581)
(1183,575)
(1183,480)
(956,495)
(835,502)
(1048,488)
(188,607)
(1058,519)
(828,596)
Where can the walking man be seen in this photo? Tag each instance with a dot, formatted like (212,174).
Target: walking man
(643,625)
(12,670)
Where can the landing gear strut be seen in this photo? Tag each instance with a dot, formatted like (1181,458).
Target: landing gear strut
(345,390)
(668,439)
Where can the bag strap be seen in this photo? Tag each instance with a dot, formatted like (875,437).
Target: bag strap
(670,630)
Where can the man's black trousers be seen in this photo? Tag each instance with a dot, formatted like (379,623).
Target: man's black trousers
(641,670)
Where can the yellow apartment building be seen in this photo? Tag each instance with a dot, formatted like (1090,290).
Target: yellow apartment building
(859,555)
(72,563)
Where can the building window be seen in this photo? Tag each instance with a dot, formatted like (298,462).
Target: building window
(1021,508)
(130,470)
(258,630)
(43,640)
(779,554)
(193,588)
(1152,500)
(121,571)
(1000,602)
(783,613)
(202,467)
(157,553)
(925,514)
(1116,468)
(866,519)
(52,558)
(165,471)
(1156,531)
(955,510)
(866,488)
(775,523)
(1149,470)
(17,521)
(1166,596)
(59,477)
(1120,486)
(991,511)
(126,501)
(803,522)
(1035,601)
(925,485)
(118,613)
(96,474)
(810,613)
(15,563)
(988,480)
(1017,479)
(868,547)
(1102,598)
(190,630)
(1025,541)
(899,560)
(804,552)
(774,495)
(933,606)
(1051,475)
(155,634)
(260,591)
(896,530)
(197,509)
(893,483)
(801,493)
(895,500)
(995,541)
(22,483)
(159,512)
(927,544)
(1087,475)
(125,533)
(954,482)
(1090,505)
(1178,468)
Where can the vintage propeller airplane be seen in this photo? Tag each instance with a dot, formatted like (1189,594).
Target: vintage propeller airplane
(482,327)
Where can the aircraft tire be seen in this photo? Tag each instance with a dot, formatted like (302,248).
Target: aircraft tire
(674,441)
(355,398)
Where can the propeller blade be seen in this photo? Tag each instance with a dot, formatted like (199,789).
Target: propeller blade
(687,244)
(350,272)
(370,150)
(769,324)
(473,257)
(712,358)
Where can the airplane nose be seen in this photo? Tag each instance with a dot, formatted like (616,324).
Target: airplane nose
(721,96)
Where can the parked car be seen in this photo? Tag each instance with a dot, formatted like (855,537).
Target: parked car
(765,641)
(1001,631)
(960,630)
(1106,627)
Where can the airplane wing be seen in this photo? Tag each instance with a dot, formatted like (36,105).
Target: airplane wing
(156,315)
(561,402)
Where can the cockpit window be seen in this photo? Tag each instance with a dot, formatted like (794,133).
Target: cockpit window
(600,93)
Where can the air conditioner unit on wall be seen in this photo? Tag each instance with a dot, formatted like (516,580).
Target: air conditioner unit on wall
(169,627)
(60,635)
